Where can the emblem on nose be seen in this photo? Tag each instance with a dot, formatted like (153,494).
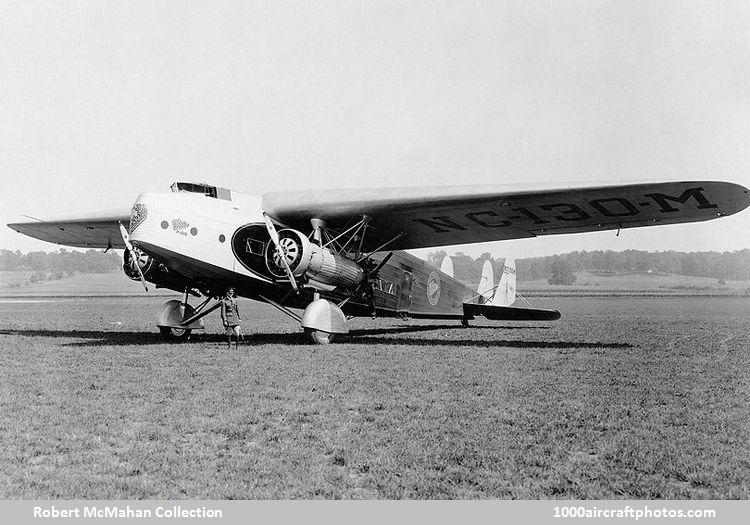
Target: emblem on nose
(137,215)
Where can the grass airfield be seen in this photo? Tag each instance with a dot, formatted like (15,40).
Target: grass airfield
(625,397)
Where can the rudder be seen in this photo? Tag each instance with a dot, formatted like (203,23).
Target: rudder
(447,266)
(505,293)
(486,283)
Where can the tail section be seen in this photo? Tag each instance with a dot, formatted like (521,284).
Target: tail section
(505,293)
(486,283)
(496,307)
(447,266)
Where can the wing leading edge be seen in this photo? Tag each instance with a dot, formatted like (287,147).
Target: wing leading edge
(439,216)
(94,230)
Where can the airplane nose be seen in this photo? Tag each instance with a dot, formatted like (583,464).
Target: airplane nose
(142,216)
(138,214)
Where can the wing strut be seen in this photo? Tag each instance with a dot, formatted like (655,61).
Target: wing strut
(281,308)
(379,248)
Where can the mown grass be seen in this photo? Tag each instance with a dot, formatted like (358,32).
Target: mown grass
(16,284)
(623,398)
(590,283)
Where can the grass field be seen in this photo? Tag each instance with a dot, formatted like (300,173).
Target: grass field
(15,284)
(590,283)
(623,398)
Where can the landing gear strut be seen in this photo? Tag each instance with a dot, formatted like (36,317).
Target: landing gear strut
(322,320)
(177,319)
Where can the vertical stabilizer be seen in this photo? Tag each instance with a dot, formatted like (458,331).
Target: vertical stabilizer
(505,293)
(447,266)
(486,283)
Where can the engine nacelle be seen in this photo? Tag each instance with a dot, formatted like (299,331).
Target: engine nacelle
(153,271)
(147,263)
(313,261)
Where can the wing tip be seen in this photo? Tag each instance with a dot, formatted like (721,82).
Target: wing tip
(742,200)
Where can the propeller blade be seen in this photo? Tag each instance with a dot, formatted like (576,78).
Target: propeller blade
(133,256)
(271,229)
(125,236)
(279,250)
(374,273)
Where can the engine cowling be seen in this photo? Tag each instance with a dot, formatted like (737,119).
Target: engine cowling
(153,271)
(146,262)
(312,261)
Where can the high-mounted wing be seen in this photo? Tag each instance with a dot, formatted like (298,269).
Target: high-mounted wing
(439,216)
(93,230)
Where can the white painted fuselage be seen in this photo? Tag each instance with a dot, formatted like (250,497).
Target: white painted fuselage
(194,232)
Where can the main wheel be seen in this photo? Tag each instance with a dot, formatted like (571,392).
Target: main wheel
(175,334)
(319,336)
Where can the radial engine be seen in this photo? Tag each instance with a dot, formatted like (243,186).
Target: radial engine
(316,263)
(153,271)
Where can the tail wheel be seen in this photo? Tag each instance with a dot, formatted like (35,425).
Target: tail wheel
(319,336)
(175,334)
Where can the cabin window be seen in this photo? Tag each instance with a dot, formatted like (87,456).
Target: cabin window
(385,286)
(255,247)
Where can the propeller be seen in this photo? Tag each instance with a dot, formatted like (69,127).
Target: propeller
(281,252)
(133,254)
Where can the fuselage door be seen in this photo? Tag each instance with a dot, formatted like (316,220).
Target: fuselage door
(407,280)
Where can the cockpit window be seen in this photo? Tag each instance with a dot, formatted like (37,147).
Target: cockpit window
(204,189)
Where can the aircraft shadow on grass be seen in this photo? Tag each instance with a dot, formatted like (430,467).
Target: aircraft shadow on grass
(380,336)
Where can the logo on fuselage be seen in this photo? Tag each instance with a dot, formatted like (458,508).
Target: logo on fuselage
(178,225)
(433,288)
(137,215)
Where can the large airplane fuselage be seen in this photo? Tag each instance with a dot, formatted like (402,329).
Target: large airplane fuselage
(217,241)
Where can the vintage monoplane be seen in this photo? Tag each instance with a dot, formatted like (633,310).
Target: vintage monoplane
(339,254)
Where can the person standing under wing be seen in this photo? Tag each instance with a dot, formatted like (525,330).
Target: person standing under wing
(230,317)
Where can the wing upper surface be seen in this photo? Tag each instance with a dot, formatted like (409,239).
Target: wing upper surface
(93,230)
(439,216)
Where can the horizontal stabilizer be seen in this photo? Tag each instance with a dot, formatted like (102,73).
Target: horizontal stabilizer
(509,313)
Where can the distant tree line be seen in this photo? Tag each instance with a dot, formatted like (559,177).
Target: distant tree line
(558,269)
(90,261)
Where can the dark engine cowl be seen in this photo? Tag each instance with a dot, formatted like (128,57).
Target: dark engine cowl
(153,271)
(314,262)
(147,263)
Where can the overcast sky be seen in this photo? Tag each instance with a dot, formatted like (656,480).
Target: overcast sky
(100,101)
